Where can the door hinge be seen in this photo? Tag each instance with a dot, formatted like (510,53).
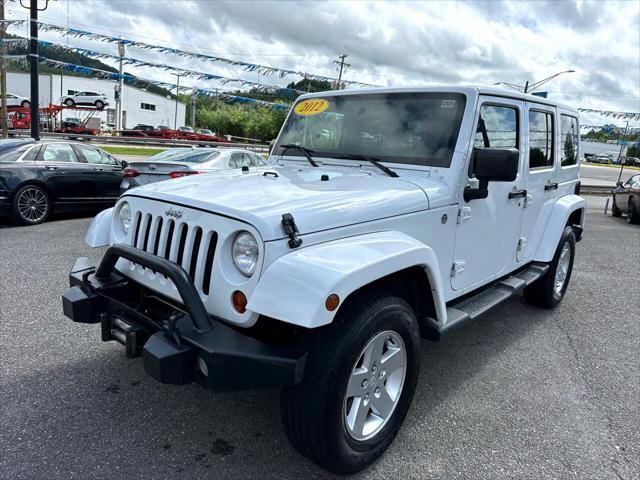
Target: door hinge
(522,242)
(457,268)
(464,214)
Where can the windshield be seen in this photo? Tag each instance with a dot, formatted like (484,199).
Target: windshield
(413,128)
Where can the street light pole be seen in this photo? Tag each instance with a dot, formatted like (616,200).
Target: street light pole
(530,87)
(121,53)
(175,116)
(3,76)
(33,57)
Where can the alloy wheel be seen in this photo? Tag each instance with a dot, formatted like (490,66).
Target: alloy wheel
(375,385)
(33,205)
(563,268)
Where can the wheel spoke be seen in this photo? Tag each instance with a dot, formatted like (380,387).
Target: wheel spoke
(393,360)
(373,352)
(358,415)
(354,387)
(382,404)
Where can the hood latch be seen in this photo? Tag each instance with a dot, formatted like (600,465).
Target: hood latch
(291,230)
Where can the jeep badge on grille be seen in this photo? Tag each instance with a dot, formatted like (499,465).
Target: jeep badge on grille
(173,213)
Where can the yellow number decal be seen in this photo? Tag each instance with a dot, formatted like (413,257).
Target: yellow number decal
(312,106)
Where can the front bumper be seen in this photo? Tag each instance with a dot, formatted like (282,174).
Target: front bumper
(179,344)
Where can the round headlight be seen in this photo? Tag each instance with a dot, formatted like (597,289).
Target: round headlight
(245,253)
(124,216)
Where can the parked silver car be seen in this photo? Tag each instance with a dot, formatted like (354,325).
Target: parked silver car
(180,162)
(98,100)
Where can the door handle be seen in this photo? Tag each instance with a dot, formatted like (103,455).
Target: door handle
(517,194)
(99,169)
(551,186)
(51,167)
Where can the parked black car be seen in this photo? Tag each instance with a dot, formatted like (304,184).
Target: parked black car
(626,199)
(38,178)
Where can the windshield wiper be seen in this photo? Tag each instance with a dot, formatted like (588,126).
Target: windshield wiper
(375,161)
(307,152)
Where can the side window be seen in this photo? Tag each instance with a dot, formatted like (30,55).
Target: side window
(497,127)
(236,160)
(569,137)
(32,154)
(95,156)
(59,152)
(241,159)
(259,161)
(540,139)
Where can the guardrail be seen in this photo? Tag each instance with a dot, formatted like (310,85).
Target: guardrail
(144,141)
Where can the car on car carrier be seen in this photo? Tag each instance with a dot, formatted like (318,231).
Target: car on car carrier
(388,215)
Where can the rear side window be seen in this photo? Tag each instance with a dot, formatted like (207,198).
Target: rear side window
(540,139)
(497,127)
(59,152)
(32,154)
(569,137)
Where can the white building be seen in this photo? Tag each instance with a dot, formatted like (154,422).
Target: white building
(139,106)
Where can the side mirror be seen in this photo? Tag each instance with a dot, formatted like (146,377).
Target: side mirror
(492,165)
(124,164)
(496,165)
(618,184)
(271,144)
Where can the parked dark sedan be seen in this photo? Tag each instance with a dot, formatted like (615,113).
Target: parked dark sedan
(38,178)
(626,199)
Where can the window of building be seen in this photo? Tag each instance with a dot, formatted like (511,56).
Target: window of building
(111,116)
(569,138)
(540,139)
(148,106)
(72,92)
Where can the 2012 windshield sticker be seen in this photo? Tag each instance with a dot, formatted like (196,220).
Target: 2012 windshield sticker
(312,106)
(448,104)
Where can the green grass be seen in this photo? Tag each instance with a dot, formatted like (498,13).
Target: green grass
(132,150)
(611,165)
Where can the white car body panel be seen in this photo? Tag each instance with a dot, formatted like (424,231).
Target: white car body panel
(294,288)
(99,233)
(560,212)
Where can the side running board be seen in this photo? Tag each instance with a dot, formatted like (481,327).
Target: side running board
(472,307)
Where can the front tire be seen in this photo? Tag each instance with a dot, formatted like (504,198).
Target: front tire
(548,291)
(69,103)
(633,216)
(99,105)
(31,205)
(359,381)
(25,104)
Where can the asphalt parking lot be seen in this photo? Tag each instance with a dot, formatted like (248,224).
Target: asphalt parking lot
(521,393)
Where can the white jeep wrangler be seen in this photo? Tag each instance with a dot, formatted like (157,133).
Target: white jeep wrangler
(386,215)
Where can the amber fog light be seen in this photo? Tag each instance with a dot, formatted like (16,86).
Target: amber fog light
(332,302)
(239,301)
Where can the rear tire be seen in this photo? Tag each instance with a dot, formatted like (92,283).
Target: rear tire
(615,211)
(31,205)
(548,291)
(633,216)
(25,104)
(99,105)
(330,417)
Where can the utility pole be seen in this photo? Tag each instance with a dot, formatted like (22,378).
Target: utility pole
(342,65)
(3,75)
(33,56)
(624,135)
(120,90)
(175,115)
(193,110)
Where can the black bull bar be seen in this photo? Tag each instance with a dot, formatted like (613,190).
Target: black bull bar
(180,344)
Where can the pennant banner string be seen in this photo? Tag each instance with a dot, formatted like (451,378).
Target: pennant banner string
(181,71)
(251,67)
(104,74)
(612,114)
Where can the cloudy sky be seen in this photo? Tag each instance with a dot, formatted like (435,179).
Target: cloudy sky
(388,43)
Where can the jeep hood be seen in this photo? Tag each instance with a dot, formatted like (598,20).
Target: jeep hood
(318,198)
